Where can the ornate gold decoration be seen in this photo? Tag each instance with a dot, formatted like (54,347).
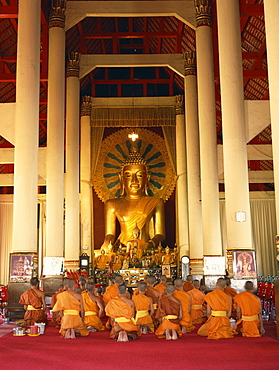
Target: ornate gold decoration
(71,265)
(190,63)
(114,152)
(196,261)
(203,12)
(57,14)
(86,106)
(73,65)
(179,104)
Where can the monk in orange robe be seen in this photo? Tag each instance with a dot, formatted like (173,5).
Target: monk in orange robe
(218,311)
(186,302)
(163,283)
(249,312)
(144,309)
(34,303)
(197,310)
(71,305)
(169,314)
(112,290)
(121,311)
(232,293)
(56,315)
(93,309)
(188,284)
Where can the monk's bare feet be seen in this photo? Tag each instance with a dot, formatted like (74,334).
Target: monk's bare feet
(174,334)
(144,329)
(122,336)
(183,329)
(168,334)
(91,329)
(70,334)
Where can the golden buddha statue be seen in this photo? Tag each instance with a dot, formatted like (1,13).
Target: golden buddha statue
(141,245)
(167,257)
(102,260)
(134,207)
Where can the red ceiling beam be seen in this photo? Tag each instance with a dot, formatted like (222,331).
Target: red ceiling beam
(250,10)
(8,12)
(11,77)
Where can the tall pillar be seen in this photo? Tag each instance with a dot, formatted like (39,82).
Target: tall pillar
(212,245)
(271,11)
(86,205)
(193,164)
(181,188)
(72,227)
(55,132)
(239,234)
(27,128)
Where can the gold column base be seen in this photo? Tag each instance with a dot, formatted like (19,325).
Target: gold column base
(196,265)
(71,265)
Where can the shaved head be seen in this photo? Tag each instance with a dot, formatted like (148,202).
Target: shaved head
(151,280)
(118,279)
(228,281)
(190,278)
(90,287)
(164,278)
(142,286)
(196,284)
(69,283)
(221,282)
(249,285)
(122,289)
(170,288)
(178,283)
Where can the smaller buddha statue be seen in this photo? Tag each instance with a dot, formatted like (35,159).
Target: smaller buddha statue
(174,256)
(152,258)
(167,257)
(118,261)
(125,264)
(102,261)
(159,255)
(134,261)
(110,253)
(141,245)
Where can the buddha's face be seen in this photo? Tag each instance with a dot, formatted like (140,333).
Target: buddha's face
(167,250)
(134,180)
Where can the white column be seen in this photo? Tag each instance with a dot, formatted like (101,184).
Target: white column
(55,132)
(271,12)
(27,127)
(181,187)
(233,126)
(86,205)
(207,124)
(72,239)
(193,164)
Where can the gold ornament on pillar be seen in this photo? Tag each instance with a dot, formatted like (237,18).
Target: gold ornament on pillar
(57,14)
(203,12)
(179,104)
(277,246)
(86,106)
(73,65)
(190,63)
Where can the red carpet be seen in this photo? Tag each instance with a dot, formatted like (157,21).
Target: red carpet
(50,351)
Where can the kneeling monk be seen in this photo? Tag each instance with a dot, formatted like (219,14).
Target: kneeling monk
(186,304)
(249,312)
(34,303)
(93,309)
(71,304)
(121,310)
(169,313)
(144,309)
(218,311)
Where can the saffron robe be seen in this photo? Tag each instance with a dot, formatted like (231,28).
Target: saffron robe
(186,318)
(111,292)
(197,313)
(217,327)
(160,287)
(187,286)
(30,298)
(168,307)
(142,303)
(65,301)
(118,309)
(91,307)
(232,293)
(56,315)
(250,306)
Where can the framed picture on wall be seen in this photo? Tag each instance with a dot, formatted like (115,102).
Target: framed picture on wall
(21,267)
(244,264)
(166,270)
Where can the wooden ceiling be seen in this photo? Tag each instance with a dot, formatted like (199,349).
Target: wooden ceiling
(137,35)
